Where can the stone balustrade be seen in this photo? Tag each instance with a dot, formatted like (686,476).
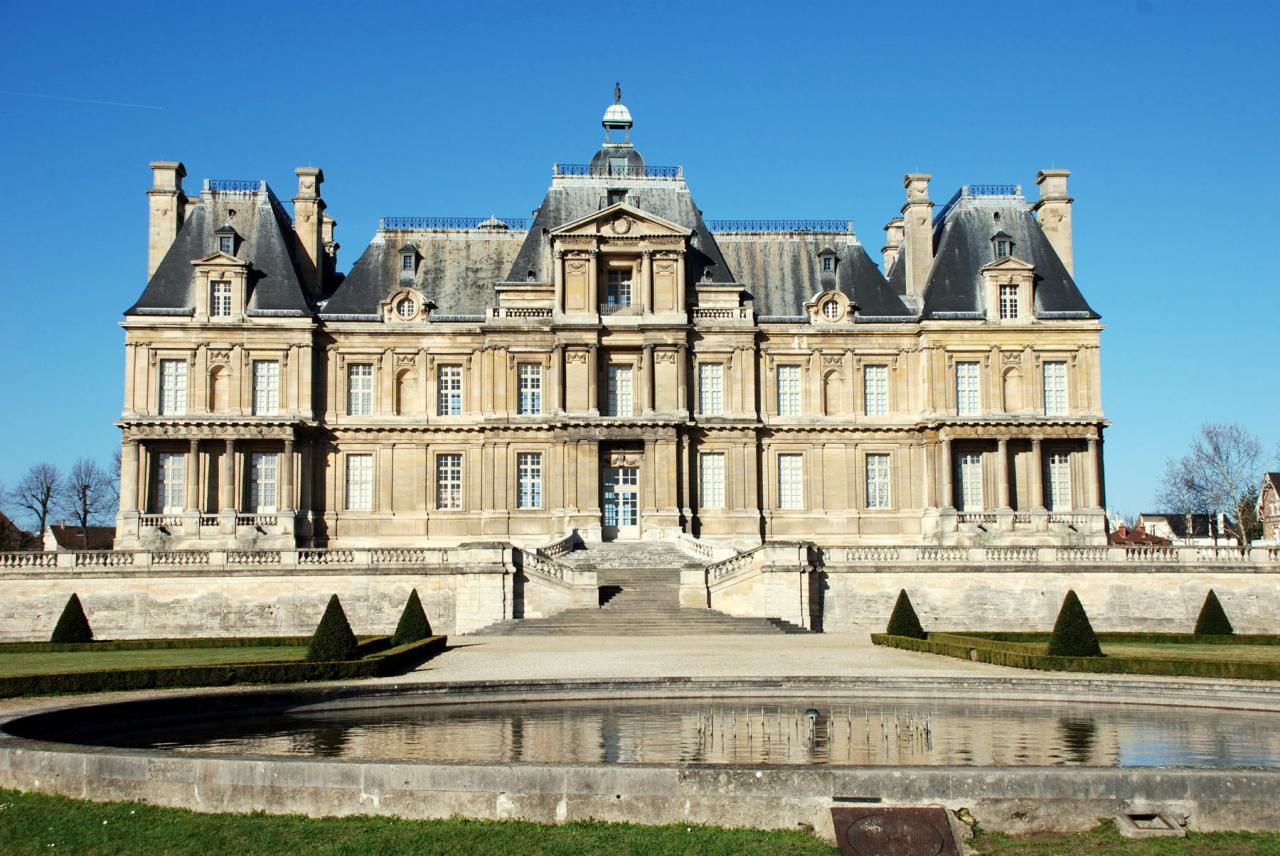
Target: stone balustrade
(1083,558)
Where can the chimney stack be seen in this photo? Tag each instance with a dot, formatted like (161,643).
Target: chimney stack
(168,206)
(917,215)
(892,243)
(308,223)
(1053,212)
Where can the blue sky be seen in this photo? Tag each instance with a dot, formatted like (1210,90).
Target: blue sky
(1166,113)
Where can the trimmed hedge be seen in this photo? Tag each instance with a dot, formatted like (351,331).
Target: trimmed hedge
(152,644)
(903,621)
(1213,620)
(1137,638)
(389,661)
(72,625)
(983,650)
(413,624)
(1073,635)
(333,639)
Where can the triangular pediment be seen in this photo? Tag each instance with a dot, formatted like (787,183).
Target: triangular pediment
(1008,263)
(622,219)
(220,259)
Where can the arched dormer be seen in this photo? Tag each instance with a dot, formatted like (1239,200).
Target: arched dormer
(830,307)
(406,305)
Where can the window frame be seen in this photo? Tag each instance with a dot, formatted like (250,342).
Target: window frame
(968,400)
(714,499)
(1010,300)
(790,493)
(970,462)
(878,480)
(875,395)
(615,280)
(711,380)
(364,491)
(793,397)
(360,401)
(257,465)
(614,390)
(173,395)
(1058,481)
(1056,400)
(219,298)
(449,389)
(529,389)
(171,482)
(529,481)
(450,492)
(270,407)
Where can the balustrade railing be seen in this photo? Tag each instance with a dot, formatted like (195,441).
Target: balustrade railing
(28,560)
(497,224)
(409,556)
(521,312)
(550,569)
(831,227)
(180,558)
(586,170)
(558,548)
(716,313)
(257,520)
(977,517)
(308,558)
(160,521)
(620,309)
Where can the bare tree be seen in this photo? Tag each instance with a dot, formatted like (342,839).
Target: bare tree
(36,495)
(88,495)
(1218,474)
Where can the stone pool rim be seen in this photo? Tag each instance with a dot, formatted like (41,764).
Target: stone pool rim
(1007,798)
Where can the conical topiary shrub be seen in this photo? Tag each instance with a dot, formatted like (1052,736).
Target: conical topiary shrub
(1073,635)
(72,626)
(333,639)
(413,622)
(1213,619)
(903,621)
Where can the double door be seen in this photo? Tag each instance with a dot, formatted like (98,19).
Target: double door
(621,504)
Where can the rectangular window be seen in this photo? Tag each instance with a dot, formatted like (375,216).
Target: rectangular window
(1008,301)
(828,264)
(968,390)
(788,390)
(226,244)
(1055,389)
(266,387)
(619,293)
(969,478)
(529,380)
(407,262)
(791,481)
(220,299)
(620,391)
(878,481)
(711,480)
(1059,481)
(529,480)
(173,387)
(711,388)
(171,474)
(449,482)
(262,482)
(875,390)
(449,391)
(360,389)
(360,482)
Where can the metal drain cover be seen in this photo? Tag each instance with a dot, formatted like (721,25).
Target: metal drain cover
(898,831)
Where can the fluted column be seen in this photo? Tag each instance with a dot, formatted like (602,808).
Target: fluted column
(1002,471)
(682,376)
(948,496)
(593,380)
(1037,473)
(650,381)
(129,477)
(1094,471)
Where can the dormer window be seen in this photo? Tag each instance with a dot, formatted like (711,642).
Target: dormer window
(828,264)
(408,260)
(406,309)
(1003,244)
(227,240)
(831,310)
(1008,301)
(220,299)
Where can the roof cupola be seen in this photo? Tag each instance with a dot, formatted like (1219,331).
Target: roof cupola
(617,118)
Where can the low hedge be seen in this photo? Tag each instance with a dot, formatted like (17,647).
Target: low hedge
(1141,638)
(379,660)
(983,650)
(153,644)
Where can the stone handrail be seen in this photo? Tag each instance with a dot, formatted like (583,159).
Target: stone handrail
(547,569)
(785,556)
(558,548)
(274,561)
(1106,555)
(705,551)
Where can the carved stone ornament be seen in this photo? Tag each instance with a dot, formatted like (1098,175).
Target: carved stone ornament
(664,356)
(621,459)
(577,266)
(575,357)
(665,267)
(832,361)
(1009,358)
(219,356)
(620,226)
(406,361)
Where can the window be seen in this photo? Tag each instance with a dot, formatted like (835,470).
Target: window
(1059,481)
(171,473)
(788,390)
(619,391)
(875,390)
(529,480)
(831,310)
(529,381)
(828,264)
(969,476)
(406,309)
(360,389)
(791,481)
(878,481)
(1004,247)
(408,261)
(262,482)
(711,388)
(1055,389)
(173,387)
(619,293)
(449,482)
(360,482)
(449,391)
(266,387)
(711,480)
(220,299)
(968,390)
(227,244)
(1008,301)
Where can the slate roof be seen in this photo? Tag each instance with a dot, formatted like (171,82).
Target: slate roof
(70,538)
(962,245)
(1202,525)
(266,245)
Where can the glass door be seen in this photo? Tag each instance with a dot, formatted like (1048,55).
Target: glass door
(621,504)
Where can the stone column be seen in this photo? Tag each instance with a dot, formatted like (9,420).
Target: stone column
(686,505)
(682,386)
(646,282)
(948,497)
(650,382)
(593,380)
(129,477)
(1037,474)
(1002,471)
(930,497)
(1093,474)
(286,477)
(193,477)
(226,479)
(557,379)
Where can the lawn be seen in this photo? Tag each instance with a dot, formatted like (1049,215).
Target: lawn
(34,823)
(1193,651)
(58,662)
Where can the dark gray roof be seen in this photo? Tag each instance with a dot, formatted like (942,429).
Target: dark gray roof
(266,245)
(456,270)
(782,272)
(1202,525)
(962,245)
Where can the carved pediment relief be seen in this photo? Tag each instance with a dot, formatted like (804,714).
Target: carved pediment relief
(1008,264)
(220,260)
(622,220)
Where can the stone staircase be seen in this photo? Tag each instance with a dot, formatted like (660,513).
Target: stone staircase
(640,594)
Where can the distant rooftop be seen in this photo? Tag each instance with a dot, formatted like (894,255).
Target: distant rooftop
(969,191)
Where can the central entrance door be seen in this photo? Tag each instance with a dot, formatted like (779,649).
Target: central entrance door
(621,503)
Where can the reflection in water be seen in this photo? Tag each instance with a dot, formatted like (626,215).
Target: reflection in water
(744,731)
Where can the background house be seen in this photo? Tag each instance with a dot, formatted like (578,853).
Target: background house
(62,537)
(1269,507)
(1190,530)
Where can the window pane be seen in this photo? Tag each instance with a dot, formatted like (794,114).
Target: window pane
(449,482)
(1059,481)
(710,388)
(875,390)
(171,472)
(360,389)
(968,392)
(529,378)
(969,479)
(1008,301)
(619,400)
(266,387)
(360,482)
(711,480)
(1055,388)
(449,391)
(791,481)
(529,480)
(788,390)
(173,387)
(262,482)
(220,299)
(878,481)
(619,293)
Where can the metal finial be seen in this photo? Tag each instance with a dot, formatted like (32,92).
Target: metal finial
(617,92)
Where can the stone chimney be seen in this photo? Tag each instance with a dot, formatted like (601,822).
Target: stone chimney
(327,227)
(308,223)
(892,243)
(917,215)
(1053,211)
(168,209)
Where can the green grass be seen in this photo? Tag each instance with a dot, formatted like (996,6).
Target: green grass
(35,823)
(1193,651)
(81,661)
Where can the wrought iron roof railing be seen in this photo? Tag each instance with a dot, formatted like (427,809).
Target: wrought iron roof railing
(606,171)
(824,226)
(971,190)
(392,224)
(233,185)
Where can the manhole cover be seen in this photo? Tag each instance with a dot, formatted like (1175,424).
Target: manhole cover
(899,831)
